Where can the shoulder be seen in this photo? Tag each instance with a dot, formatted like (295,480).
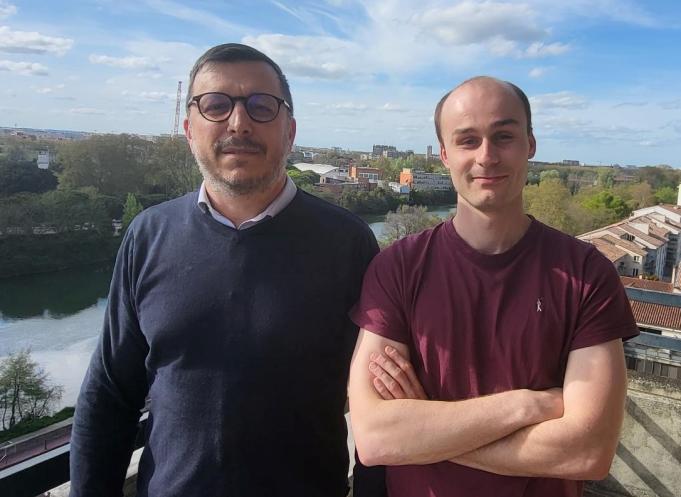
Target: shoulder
(412,251)
(169,211)
(563,245)
(329,224)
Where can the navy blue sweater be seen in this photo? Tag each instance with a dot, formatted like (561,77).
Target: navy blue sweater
(242,341)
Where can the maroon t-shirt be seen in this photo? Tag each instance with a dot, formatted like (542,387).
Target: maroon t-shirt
(479,324)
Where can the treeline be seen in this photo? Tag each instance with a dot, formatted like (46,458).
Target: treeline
(62,216)
(579,201)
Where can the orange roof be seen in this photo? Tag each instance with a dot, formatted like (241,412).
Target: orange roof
(663,316)
(609,250)
(657,286)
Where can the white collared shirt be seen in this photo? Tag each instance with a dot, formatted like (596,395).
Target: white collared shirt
(278,204)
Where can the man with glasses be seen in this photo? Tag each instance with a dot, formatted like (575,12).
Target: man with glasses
(228,309)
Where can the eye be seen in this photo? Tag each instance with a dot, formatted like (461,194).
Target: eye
(468,141)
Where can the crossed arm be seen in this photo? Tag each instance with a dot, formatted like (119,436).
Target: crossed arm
(414,431)
(513,433)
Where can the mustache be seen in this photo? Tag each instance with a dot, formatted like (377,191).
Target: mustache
(237,142)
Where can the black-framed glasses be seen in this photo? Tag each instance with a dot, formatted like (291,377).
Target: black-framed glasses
(217,107)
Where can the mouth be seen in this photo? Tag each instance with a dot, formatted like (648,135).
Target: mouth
(489,179)
(239,151)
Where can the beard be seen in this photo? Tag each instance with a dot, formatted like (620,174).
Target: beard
(234,185)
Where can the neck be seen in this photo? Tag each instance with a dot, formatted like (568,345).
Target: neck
(240,208)
(490,232)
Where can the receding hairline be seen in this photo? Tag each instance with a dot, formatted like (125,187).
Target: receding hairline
(513,89)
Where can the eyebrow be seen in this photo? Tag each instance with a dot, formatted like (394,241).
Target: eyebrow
(496,124)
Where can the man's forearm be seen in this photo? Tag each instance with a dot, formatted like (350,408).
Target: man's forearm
(395,432)
(581,444)
(556,448)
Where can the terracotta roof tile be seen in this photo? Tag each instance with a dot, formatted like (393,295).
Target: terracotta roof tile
(663,316)
(658,286)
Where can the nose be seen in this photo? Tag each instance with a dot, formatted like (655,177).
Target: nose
(239,122)
(487,153)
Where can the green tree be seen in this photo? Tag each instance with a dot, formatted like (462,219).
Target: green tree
(303,178)
(549,174)
(638,195)
(606,177)
(25,176)
(172,169)
(113,164)
(666,195)
(406,220)
(25,390)
(131,208)
(549,202)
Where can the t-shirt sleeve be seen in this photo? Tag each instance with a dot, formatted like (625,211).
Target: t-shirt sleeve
(605,312)
(381,307)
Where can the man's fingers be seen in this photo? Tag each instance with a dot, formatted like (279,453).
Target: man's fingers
(388,381)
(381,389)
(408,369)
(395,372)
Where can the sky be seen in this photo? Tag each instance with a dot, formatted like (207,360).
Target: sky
(603,76)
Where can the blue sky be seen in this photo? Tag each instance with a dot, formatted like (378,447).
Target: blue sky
(603,76)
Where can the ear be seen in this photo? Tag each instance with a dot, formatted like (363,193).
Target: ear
(443,156)
(291,132)
(187,130)
(533,146)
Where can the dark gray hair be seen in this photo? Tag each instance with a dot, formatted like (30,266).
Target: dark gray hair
(236,52)
(519,93)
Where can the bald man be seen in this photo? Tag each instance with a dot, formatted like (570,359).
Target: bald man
(489,360)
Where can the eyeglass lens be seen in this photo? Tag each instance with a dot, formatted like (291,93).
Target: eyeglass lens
(259,106)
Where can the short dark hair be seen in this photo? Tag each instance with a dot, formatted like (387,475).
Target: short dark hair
(519,93)
(236,52)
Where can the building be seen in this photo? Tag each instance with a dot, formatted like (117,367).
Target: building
(44,159)
(388,151)
(364,174)
(639,245)
(421,180)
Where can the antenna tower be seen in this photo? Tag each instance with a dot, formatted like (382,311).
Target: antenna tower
(177,109)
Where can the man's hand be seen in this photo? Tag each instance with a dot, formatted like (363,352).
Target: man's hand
(394,376)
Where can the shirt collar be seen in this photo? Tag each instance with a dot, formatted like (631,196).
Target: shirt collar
(276,206)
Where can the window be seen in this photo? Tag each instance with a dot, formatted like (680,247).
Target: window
(634,272)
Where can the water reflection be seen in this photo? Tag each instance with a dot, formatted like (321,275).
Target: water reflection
(53,295)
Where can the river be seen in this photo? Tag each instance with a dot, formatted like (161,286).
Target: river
(58,316)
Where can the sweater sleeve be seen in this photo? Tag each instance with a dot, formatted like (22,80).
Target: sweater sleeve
(113,391)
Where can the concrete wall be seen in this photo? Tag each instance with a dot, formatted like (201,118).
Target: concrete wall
(648,460)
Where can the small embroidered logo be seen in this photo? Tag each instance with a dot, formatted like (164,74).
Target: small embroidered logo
(539,303)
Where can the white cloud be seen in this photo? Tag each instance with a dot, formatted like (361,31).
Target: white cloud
(129,62)
(32,42)
(320,57)
(47,90)
(7,9)
(538,49)
(479,22)
(157,96)
(23,68)
(559,100)
(537,72)
(202,17)
(349,106)
(88,111)
(390,107)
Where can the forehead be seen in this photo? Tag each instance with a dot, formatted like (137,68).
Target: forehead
(237,78)
(479,104)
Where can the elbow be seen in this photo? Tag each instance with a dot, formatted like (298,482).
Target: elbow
(593,465)
(375,450)
(598,466)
